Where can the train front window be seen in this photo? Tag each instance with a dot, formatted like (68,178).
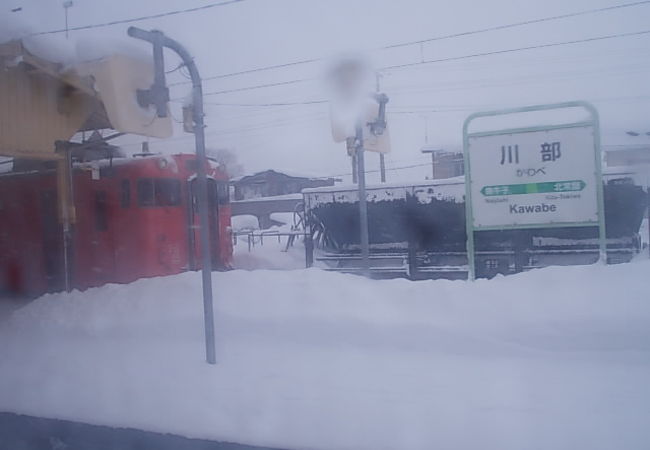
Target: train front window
(159,192)
(168,192)
(146,192)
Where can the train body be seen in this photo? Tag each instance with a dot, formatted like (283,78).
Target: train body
(418,230)
(135,218)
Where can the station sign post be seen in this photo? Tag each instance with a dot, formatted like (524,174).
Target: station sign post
(535,177)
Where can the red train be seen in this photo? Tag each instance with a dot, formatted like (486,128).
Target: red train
(136,217)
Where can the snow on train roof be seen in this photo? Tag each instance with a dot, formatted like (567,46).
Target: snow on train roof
(119,161)
(140,157)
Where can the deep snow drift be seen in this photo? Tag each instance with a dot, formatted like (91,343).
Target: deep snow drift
(557,358)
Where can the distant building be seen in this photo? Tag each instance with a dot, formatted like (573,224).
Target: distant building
(448,165)
(445,164)
(271,183)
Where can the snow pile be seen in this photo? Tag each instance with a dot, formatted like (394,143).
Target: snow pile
(551,359)
(57,47)
(244,222)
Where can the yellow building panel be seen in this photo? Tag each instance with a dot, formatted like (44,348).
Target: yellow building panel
(36,110)
(41,104)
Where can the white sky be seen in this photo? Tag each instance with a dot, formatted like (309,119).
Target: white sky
(612,74)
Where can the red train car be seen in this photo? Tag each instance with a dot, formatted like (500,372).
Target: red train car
(136,217)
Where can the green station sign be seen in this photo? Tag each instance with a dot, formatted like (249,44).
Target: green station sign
(533,188)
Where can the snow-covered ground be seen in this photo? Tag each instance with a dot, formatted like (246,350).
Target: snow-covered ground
(268,252)
(557,358)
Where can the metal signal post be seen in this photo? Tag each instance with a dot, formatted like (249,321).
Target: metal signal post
(158,96)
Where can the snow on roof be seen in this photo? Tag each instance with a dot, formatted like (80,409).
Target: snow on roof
(288,173)
(60,48)
(415,183)
(297,196)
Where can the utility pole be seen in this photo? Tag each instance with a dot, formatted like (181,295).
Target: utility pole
(352,152)
(350,82)
(66,5)
(382,163)
(377,127)
(158,96)
(363,204)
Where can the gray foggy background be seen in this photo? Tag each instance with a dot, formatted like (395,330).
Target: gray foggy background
(287,126)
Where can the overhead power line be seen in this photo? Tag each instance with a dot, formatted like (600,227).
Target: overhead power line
(138,19)
(308,102)
(259,69)
(452,58)
(518,49)
(436,38)
(259,86)
(320,102)
(378,170)
(518,24)
(423,109)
